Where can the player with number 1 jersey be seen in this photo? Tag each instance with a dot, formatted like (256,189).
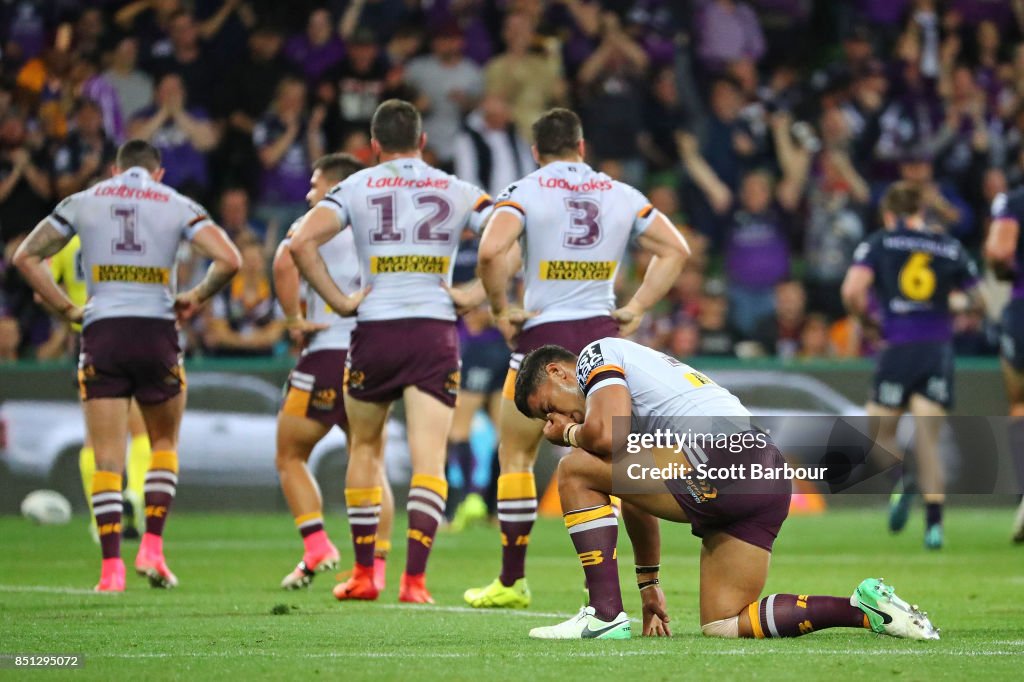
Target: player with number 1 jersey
(130,227)
(575,224)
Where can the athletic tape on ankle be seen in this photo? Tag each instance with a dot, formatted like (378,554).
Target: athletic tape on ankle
(728,628)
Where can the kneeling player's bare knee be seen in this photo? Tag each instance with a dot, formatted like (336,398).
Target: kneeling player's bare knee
(727,628)
(572,468)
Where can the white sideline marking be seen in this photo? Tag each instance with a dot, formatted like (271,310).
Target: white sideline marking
(491,611)
(522,613)
(554,653)
(274,654)
(49,590)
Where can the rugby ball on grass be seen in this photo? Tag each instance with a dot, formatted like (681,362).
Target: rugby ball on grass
(46,507)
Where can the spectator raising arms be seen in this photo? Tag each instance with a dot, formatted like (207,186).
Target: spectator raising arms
(287,144)
(181,133)
(452,85)
(528,78)
(134,87)
(317,50)
(25,191)
(86,154)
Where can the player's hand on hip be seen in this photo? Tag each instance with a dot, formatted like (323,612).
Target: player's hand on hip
(656,619)
(300,326)
(353,302)
(629,318)
(510,324)
(186,305)
(75,314)
(465,300)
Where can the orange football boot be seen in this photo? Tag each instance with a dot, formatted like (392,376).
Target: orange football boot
(359,586)
(413,589)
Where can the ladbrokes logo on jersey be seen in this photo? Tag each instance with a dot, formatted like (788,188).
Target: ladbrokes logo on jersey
(594,185)
(135,274)
(430,265)
(577,269)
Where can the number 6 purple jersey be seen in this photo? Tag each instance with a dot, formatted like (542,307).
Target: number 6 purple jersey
(130,227)
(407,218)
(577,223)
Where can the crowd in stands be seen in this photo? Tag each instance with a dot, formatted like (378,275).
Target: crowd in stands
(767,129)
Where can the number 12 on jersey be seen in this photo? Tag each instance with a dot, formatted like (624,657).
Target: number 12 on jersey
(427,231)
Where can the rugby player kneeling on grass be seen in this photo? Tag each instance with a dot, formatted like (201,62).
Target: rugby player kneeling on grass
(579,397)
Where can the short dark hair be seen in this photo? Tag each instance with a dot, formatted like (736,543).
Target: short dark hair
(397,126)
(903,199)
(339,166)
(138,153)
(532,373)
(557,132)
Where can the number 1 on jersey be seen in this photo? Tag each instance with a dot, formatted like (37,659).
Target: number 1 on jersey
(126,219)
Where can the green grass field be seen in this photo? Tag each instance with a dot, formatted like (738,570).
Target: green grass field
(221,622)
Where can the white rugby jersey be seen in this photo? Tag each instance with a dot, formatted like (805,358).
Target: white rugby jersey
(407,218)
(577,223)
(339,253)
(660,386)
(130,227)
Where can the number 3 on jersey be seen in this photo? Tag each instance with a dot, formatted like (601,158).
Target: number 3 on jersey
(584,228)
(917,279)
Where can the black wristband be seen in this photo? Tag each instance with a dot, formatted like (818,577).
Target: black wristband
(648,569)
(648,583)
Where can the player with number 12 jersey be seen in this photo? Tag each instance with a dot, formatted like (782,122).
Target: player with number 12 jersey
(574,224)
(406,218)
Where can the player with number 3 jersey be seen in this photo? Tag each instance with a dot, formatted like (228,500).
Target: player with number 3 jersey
(406,218)
(574,224)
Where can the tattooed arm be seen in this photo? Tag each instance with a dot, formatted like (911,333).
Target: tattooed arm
(30,258)
(213,243)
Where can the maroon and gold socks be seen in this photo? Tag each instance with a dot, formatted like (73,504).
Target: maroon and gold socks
(160,488)
(594,532)
(793,615)
(364,505)
(517,511)
(107,507)
(427,498)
